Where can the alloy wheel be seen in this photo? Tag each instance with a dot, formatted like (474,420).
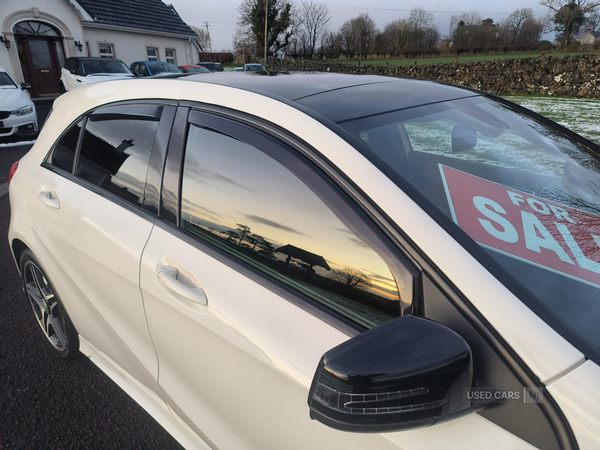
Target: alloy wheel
(45,306)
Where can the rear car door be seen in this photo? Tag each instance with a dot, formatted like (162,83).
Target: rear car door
(256,267)
(87,204)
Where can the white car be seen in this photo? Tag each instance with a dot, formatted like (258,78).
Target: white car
(81,71)
(18,118)
(320,261)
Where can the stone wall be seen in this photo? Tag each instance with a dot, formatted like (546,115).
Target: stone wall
(567,76)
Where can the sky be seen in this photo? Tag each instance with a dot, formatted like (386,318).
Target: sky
(222,14)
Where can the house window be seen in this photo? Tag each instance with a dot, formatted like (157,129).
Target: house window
(170,54)
(106,51)
(152,53)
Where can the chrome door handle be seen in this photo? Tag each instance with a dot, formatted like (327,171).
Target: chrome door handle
(49,198)
(167,276)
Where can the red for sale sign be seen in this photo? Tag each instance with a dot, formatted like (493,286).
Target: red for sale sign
(537,231)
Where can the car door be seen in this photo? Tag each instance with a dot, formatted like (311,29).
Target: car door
(257,266)
(87,208)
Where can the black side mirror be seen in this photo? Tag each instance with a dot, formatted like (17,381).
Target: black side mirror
(25,86)
(407,373)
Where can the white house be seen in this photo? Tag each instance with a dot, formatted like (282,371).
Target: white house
(38,35)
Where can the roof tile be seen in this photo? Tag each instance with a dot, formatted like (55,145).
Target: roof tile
(152,15)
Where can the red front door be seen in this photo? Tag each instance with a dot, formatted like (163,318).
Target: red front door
(40,63)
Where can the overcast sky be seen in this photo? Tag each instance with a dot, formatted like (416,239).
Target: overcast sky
(222,14)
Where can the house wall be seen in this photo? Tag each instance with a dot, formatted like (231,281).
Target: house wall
(587,39)
(59,13)
(131,46)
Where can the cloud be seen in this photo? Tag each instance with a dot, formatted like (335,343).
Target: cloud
(352,238)
(271,223)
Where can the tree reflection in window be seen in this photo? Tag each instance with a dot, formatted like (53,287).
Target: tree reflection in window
(250,206)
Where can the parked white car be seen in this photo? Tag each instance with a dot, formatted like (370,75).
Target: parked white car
(81,71)
(320,261)
(18,118)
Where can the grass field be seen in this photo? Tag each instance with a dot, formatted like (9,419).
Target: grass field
(579,115)
(450,59)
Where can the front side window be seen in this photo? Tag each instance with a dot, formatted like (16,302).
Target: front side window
(524,191)
(63,154)
(6,81)
(170,56)
(152,53)
(116,147)
(106,50)
(161,67)
(251,207)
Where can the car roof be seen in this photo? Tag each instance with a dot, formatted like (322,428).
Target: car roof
(339,97)
(92,58)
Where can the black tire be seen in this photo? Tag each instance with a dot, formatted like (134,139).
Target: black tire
(56,326)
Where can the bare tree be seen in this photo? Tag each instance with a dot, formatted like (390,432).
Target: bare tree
(331,45)
(592,21)
(568,16)
(350,277)
(513,24)
(521,30)
(468,18)
(397,33)
(203,38)
(349,38)
(313,20)
(419,18)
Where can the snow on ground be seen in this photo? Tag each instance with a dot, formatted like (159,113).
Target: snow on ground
(580,115)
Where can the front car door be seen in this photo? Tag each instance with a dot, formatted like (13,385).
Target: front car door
(257,266)
(86,204)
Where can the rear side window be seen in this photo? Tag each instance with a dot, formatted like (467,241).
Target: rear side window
(63,154)
(116,148)
(255,209)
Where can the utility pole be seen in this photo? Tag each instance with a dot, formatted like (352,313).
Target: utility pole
(208,35)
(266,11)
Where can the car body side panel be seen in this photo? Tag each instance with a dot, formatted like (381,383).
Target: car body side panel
(238,371)
(90,248)
(578,395)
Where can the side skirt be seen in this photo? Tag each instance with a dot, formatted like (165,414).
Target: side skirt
(144,397)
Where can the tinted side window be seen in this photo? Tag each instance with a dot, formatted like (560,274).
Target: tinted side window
(64,152)
(116,149)
(252,207)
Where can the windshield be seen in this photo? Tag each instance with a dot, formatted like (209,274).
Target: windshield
(107,67)
(6,81)
(254,67)
(162,67)
(526,192)
(197,69)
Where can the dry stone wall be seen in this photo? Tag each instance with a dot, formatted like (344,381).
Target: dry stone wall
(567,76)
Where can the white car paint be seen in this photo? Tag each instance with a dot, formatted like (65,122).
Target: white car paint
(278,354)
(13,99)
(71,81)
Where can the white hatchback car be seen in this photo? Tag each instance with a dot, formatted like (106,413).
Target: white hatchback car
(18,117)
(320,260)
